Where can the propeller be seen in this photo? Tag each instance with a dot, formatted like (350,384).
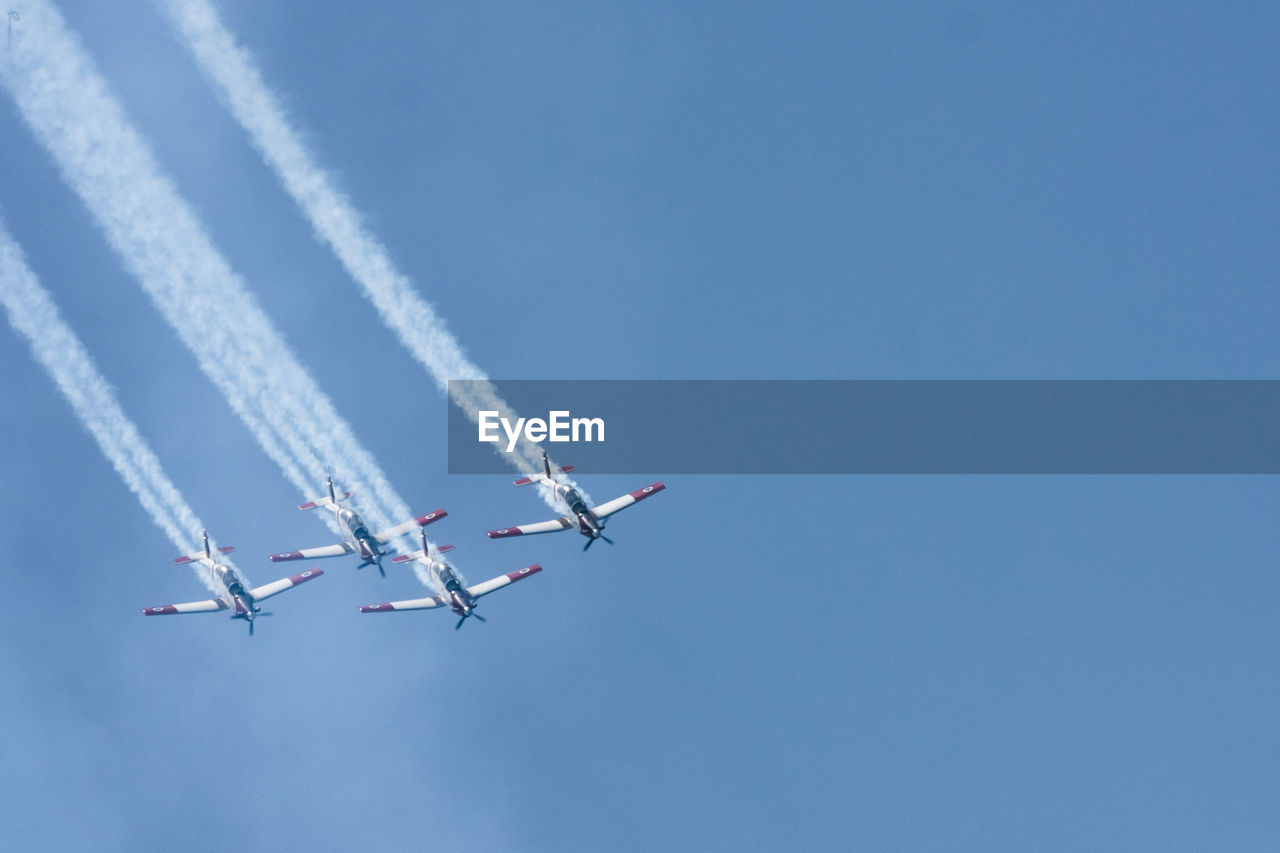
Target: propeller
(594,538)
(255,616)
(464,619)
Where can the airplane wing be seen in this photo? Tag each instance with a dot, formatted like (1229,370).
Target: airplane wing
(412,604)
(502,580)
(313,553)
(401,529)
(190,607)
(610,507)
(276,587)
(561,523)
(439,600)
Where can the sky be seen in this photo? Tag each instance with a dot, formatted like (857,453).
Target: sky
(668,191)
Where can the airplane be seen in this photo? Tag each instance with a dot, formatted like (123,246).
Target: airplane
(588,520)
(234,595)
(459,599)
(358,537)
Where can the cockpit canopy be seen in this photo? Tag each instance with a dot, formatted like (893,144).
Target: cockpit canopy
(444,571)
(353,522)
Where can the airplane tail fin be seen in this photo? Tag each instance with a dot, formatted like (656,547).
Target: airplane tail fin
(329,501)
(205,553)
(545,476)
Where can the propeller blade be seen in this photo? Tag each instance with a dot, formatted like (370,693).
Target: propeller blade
(381,570)
(460,621)
(478,616)
(250,627)
(588,545)
(606,538)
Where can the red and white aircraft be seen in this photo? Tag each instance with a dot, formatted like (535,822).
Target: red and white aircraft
(234,595)
(459,599)
(588,520)
(358,537)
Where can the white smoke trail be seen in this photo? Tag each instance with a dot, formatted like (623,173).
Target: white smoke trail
(420,329)
(33,314)
(67,103)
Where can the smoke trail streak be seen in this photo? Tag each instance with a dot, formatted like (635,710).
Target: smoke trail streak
(236,78)
(55,346)
(68,106)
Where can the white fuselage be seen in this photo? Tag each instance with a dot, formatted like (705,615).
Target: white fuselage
(234,593)
(357,533)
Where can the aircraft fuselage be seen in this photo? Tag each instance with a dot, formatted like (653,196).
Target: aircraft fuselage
(456,594)
(236,595)
(358,535)
(588,525)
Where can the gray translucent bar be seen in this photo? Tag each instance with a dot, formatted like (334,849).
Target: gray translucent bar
(896,427)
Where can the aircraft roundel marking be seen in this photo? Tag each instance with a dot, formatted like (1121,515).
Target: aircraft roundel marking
(305,574)
(430,516)
(502,531)
(647,489)
(524,571)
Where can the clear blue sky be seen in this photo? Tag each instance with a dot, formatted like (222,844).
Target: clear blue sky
(944,190)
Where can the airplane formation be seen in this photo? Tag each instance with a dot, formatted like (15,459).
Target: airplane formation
(372,547)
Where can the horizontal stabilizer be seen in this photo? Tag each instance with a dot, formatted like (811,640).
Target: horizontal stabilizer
(324,501)
(539,478)
(191,558)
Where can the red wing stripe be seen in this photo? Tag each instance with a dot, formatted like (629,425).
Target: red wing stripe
(647,491)
(524,573)
(424,520)
(504,532)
